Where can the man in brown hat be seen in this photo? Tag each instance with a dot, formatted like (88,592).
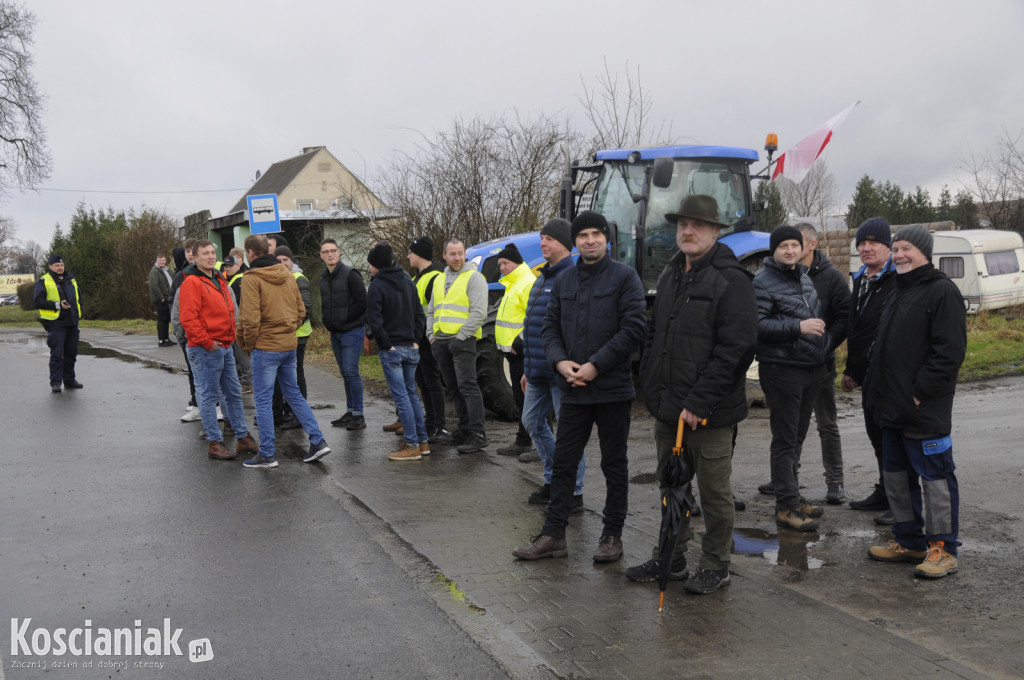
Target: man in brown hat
(700,342)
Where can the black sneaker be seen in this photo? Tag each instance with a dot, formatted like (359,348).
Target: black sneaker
(342,421)
(261,461)
(438,435)
(474,442)
(886,519)
(651,570)
(706,580)
(877,500)
(541,496)
(767,489)
(356,423)
(55,387)
(316,452)
(455,438)
(835,493)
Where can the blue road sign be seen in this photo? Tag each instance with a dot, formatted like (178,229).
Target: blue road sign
(263,215)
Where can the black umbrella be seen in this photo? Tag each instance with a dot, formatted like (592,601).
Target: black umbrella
(676,505)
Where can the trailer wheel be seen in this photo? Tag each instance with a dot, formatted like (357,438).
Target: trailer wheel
(492,376)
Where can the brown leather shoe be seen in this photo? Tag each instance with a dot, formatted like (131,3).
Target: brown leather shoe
(424,448)
(220,452)
(247,445)
(609,549)
(407,452)
(542,546)
(395,427)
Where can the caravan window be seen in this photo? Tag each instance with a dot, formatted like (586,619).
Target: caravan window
(953,267)
(1002,262)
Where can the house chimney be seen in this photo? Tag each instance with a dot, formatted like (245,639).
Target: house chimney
(307,149)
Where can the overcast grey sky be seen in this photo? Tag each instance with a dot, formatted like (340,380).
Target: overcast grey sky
(161,98)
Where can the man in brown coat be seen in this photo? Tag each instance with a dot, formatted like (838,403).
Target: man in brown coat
(271,312)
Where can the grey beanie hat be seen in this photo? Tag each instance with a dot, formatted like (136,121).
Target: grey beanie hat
(918,235)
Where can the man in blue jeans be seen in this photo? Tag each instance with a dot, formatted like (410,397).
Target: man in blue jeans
(539,386)
(272,310)
(343,308)
(396,320)
(206,310)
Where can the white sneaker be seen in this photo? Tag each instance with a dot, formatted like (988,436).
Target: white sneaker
(220,416)
(191,415)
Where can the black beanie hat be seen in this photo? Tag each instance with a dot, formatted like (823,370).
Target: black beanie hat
(511,253)
(560,230)
(919,236)
(874,229)
(589,220)
(286,251)
(784,232)
(381,256)
(424,247)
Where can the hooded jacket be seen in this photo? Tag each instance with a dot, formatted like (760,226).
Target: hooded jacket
(921,343)
(785,297)
(597,314)
(272,308)
(393,310)
(700,340)
(834,297)
(206,309)
(865,313)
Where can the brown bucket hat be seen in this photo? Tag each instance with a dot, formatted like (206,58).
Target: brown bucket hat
(698,207)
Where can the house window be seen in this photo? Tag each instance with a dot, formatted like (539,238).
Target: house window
(1002,262)
(953,267)
(305,206)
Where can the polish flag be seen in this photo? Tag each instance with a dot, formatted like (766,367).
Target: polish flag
(797,161)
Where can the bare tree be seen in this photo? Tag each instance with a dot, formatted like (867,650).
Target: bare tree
(24,158)
(998,181)
(817,195)
(7,245)
(480,180)
(620,112)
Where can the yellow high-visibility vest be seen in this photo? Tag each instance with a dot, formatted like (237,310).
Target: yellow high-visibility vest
(306,328)
(425,282)
(53,296)
(512,310)
(451,311)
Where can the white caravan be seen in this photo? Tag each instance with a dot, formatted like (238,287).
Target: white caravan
(987,265)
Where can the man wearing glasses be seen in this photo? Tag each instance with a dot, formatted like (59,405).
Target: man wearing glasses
(343,307)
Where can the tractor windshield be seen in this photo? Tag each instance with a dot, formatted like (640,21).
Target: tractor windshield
(726,180)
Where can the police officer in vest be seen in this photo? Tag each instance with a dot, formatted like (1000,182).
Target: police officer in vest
(518,279)
(455,315)
(56,297)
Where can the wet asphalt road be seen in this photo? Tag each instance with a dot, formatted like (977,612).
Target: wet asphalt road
(351,559)
(114,513)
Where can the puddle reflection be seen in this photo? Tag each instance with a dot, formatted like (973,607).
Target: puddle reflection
(785,548)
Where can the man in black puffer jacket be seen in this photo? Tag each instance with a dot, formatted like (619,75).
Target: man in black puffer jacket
(700,342)
(915,361)
(792,348)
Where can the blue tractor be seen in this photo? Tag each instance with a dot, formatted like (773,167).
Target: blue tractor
(634,189)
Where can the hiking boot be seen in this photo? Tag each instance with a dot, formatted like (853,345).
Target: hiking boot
(541,496)
(74,385)
(877,500)
(767,489)
(219,451)
(651,571)
(425,448)
(474,442)
(514,450)
(395,427)
(191,414)
(795,519)
(894,552)
(529,457)
(316,452)
(835,493)
(407,452)
(260,461)
(356,423)
(706,580)
(247,445)
(291,423)
(342,421)
(886,519)
(609,549)
(541,547)
(937,562)
(577,504)
(810,509)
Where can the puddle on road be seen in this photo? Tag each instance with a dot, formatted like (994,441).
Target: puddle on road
(778,549)
(84,348)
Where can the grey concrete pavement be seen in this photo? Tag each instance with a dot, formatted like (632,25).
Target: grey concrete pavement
(800,606)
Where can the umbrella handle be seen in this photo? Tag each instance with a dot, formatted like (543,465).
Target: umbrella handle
(682,428)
